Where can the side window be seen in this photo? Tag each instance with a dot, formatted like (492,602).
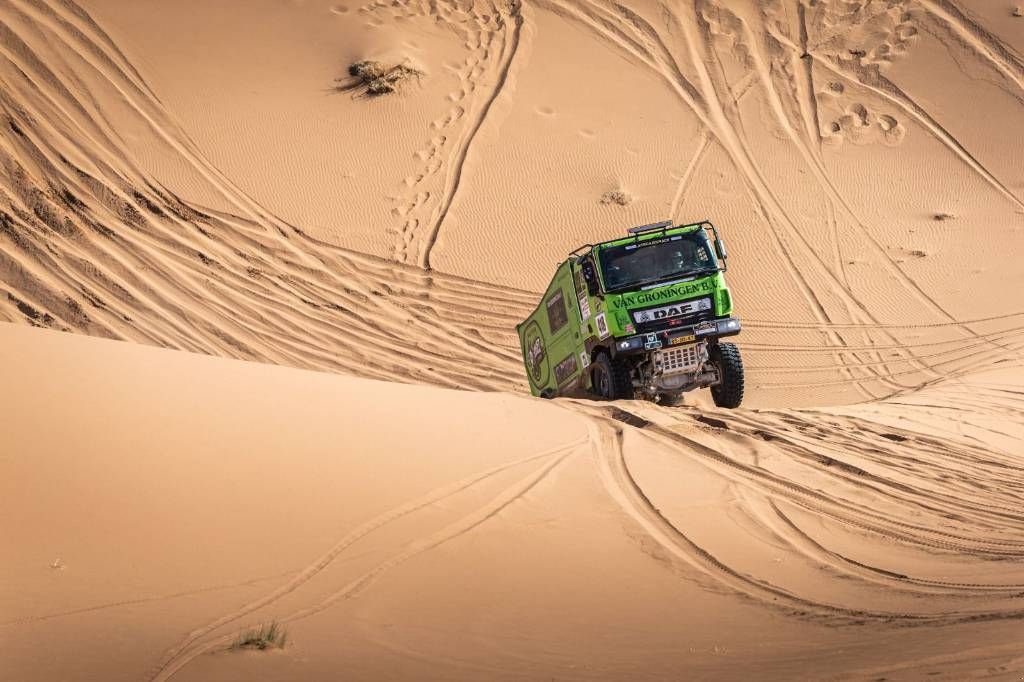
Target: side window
(590,276)
(557,315)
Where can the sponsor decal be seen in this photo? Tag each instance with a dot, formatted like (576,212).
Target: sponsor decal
(651,342)
(536,354)
(650,242)
(673,310)
(582,294)
(602,325)
(584,359)
(584,308)
(565,369)
(680,340)
(629,328)
(705,327)
(557,317)
(667,294)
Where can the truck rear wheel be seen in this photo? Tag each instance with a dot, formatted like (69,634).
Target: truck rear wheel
(610,379)
(729,391)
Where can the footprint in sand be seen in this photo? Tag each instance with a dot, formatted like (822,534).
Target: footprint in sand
(860,125)
(834,89)
(586,132)
(892,130)
(448,119)
(545,111)
(459,95)
(905,32)
(435,148)
(340,9)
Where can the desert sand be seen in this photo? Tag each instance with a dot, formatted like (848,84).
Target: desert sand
(289,388)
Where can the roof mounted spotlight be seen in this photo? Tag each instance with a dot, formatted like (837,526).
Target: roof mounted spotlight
(653,227)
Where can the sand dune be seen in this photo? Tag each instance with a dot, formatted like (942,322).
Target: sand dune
(570,540)
(196,177)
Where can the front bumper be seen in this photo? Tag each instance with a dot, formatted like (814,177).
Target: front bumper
(643,343)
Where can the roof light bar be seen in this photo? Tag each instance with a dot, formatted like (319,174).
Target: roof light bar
(663,225)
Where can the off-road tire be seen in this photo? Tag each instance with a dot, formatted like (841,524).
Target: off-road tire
(729,392)
(610,379)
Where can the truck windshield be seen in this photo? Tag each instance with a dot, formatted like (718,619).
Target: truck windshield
(656,260)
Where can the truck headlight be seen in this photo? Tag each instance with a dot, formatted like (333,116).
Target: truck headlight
(634,343)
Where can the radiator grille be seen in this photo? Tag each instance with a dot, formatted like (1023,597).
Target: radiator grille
(682,359)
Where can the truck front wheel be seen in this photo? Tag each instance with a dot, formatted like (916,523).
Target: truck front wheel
(610,379)
(728,392)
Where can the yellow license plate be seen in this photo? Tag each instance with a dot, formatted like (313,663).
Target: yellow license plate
(679,340)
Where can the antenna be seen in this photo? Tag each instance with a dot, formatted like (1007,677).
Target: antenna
(663,225)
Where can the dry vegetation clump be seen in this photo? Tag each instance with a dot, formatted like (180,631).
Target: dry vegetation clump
(375,78)
(616,196)
(264,636)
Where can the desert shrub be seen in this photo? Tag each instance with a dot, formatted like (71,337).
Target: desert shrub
(375,78)
(264,636)
(616,196)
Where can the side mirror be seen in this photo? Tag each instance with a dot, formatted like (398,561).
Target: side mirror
(590,277)
(720,249)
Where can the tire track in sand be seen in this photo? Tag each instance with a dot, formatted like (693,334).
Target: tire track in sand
(198,642)
(623,488)
(607,440)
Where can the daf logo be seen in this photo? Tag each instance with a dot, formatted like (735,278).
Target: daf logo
(674,310)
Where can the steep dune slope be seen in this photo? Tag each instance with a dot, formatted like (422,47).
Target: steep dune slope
(186,498)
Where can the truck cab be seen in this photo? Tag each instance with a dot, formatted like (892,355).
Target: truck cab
(640,316)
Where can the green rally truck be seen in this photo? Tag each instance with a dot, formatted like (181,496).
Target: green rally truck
(641,316)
